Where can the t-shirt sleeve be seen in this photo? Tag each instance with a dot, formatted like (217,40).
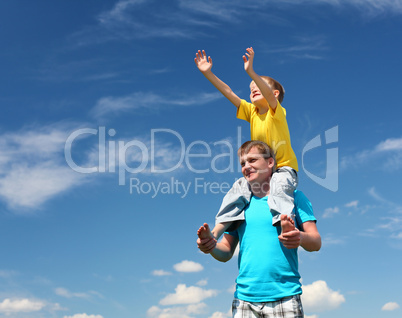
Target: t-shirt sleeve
(244,110)
(304,209)
(280,112)
(233,233)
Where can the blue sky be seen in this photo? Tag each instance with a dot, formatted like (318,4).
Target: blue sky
(114,149)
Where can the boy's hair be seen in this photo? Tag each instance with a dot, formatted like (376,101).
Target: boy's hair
(265,150)
(274,84)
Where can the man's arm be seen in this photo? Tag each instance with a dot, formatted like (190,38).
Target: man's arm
(309,238)
(222,251)
(205,66)
(266,91)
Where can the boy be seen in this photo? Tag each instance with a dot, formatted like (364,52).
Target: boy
(268,123)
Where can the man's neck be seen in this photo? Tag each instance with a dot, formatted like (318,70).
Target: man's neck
(259,191)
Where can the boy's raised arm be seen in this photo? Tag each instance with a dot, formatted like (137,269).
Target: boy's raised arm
(266,91)
(204,64)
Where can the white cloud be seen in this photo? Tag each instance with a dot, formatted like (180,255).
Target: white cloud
(203,282)
(312,316)
(397,236)
(302,47)
(396,208)
(160,272)
(217,9)
(392,147)
(9,306)
(187,295)
(375,195)
(32,166)
(219,314)
(231,289)
(390,144)
(60,291)
(119,11)
(147,100)
(35,169)
(330,212)
(330,239)
(352,204)
(133,19)
(319,297)
(83,316)
(390,306)
(188,267)
(30,186)
(176,312)
(7,273)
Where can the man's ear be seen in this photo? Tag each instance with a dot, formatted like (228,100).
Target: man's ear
(271,162)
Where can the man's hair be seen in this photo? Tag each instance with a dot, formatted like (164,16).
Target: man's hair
(275,85)
(261,146)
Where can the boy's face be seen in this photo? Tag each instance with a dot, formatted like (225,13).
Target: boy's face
(256,96)
(255,93)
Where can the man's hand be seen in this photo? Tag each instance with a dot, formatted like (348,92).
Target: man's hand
(206,245)
(248,63)
(290,239)
(203,63)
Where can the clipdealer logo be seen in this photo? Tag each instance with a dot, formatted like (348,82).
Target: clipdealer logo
(112,155)
(144,158)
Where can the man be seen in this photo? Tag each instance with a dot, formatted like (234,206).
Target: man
(268,284)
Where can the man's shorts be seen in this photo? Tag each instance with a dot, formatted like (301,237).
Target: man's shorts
(289,307)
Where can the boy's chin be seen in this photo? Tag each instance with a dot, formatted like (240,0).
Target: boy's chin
(260,103)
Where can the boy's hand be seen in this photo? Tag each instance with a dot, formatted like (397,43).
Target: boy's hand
(202,62)
(248,63)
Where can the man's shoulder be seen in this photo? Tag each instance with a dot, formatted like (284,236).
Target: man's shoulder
(299,195)
(303,208)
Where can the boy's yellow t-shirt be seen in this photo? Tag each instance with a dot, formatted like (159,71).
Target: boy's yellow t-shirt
(271,128)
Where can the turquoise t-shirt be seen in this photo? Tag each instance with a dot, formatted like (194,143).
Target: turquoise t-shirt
(268,271)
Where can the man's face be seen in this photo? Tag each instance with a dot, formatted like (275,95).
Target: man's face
(256,168)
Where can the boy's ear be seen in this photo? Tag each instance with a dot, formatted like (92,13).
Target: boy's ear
(276,93)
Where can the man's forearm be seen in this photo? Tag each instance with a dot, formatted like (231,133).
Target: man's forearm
(311,242)
(222,252)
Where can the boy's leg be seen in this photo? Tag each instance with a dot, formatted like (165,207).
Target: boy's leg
(205,231)
(287,223)
(232,207)
(281,199)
